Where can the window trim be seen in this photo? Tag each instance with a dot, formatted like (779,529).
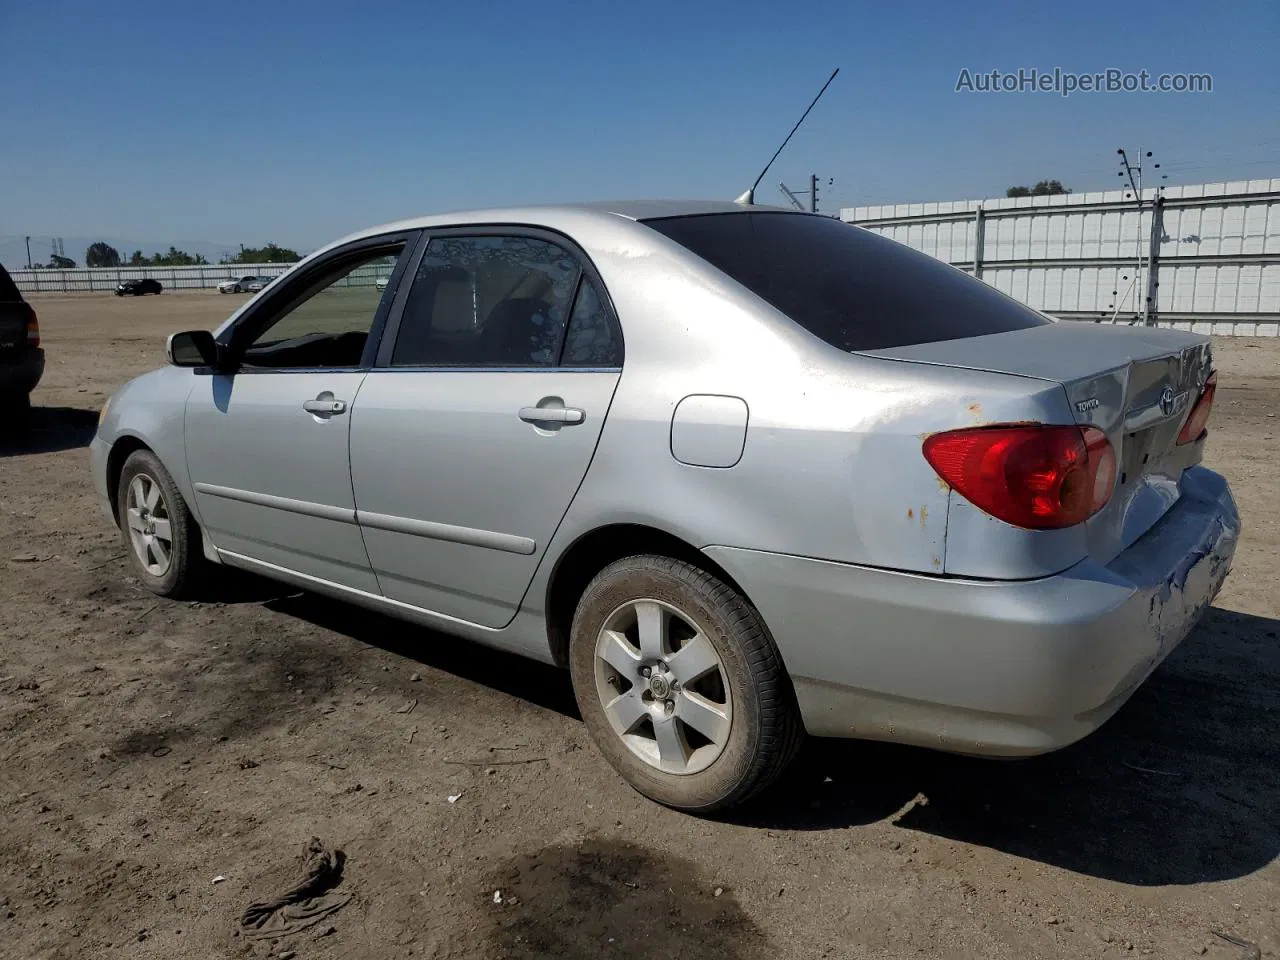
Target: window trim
(586,268)
(237,338)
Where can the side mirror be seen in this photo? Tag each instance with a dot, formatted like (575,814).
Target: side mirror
(192,348)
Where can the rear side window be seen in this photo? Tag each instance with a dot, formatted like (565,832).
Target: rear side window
(8,289)
(591,340)
(854,289)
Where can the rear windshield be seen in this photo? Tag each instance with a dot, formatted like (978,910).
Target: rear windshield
(852,288)
(8,289)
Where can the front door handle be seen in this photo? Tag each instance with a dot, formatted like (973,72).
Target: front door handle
(565,415)
(324,407)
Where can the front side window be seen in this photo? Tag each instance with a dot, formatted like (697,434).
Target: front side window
(852,288)
(330,323)
(487,301)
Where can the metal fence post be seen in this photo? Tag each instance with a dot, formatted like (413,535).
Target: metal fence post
(1152,307)
(979,240)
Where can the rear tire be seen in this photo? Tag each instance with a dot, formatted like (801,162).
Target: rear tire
(160,535)
(702,733)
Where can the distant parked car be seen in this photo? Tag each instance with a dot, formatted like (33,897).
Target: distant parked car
(21,359)
(381,282)
(138,288)
(258,284)
(238,286)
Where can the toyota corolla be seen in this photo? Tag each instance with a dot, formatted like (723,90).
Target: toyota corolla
(746,473)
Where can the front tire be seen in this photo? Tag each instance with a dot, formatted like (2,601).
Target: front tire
(680,685)
(161,537)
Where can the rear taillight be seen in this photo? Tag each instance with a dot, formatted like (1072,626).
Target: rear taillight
(1030,475)
(33,328)
(1194,428)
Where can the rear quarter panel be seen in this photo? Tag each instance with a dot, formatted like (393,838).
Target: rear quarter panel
(832,465)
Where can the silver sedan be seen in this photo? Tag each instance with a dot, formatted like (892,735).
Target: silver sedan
(746,473)
(236,286)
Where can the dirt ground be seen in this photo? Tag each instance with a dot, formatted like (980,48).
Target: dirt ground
(148,748)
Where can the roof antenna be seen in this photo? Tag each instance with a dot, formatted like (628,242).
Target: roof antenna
(749,197)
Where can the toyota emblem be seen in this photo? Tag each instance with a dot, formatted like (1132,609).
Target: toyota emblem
(1166,401)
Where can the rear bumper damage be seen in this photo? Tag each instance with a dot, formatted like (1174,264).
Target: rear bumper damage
(1001,668)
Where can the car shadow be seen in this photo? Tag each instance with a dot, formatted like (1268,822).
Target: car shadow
(1182,786)
(538,683)
(49,430)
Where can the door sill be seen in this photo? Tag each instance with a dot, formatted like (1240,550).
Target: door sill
(395,608)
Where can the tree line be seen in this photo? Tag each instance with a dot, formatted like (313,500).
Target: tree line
(102,254)
(1045,188)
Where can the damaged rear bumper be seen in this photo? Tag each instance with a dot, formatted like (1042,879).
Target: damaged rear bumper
(1179,566)
(990,667)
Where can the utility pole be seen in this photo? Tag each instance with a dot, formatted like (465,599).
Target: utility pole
(813,191)
(28,253)
(1153,258)
(1148,262)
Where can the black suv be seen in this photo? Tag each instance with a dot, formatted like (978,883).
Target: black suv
(138,288)
(21,359)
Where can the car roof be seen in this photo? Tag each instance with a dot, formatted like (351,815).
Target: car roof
(549,214)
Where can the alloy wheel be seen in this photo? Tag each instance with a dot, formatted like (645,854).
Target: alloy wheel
(150,529)
(663,686)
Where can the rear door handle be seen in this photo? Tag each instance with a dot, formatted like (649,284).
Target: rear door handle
(565,415)
(324,407)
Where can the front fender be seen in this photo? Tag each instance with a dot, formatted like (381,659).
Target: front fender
(151,409)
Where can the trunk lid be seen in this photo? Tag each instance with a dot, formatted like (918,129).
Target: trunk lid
(1136,384)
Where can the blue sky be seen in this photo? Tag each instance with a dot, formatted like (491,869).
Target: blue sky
(298,122)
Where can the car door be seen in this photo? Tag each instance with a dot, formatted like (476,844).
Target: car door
(268,442)
(477,424)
